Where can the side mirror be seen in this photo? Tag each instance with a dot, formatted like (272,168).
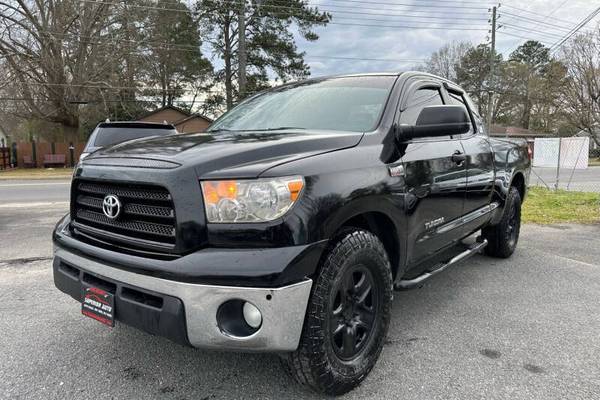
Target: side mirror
(436,121)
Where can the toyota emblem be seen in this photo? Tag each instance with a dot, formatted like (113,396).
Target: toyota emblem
(111,206)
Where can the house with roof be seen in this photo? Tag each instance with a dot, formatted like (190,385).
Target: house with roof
(183,121)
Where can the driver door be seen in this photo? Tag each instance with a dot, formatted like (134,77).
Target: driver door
(435,180)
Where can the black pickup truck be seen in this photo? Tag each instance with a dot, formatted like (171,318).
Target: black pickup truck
(288,224)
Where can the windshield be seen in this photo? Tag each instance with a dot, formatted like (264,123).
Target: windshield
(113,135)
(344,104)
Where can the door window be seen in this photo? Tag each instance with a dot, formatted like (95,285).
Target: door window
(418,100)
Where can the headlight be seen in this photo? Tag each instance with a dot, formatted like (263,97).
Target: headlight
(256,200)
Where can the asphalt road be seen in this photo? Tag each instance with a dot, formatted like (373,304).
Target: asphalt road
(587,180)
(524,328)
(15,192)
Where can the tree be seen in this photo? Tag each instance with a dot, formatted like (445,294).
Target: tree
(473,74)
(173,59)
(581,94)
(527,67)
(266,35)
(49,52)
(446,61)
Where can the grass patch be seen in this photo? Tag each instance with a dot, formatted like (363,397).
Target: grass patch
(543,206)
(37,173)
(594,162)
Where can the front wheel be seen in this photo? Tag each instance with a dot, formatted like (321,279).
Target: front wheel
(503,237)
(347,316)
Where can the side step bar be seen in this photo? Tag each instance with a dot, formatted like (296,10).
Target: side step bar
(412,283)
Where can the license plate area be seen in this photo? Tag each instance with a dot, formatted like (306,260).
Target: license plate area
(98,304)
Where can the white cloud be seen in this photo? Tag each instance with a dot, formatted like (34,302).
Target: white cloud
(398,43)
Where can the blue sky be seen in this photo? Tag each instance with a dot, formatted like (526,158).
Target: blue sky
(397,43)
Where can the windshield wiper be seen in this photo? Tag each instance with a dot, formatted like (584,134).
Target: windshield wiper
(279,128)
(220,130)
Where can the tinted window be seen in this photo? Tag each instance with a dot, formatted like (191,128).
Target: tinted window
(459,100)
(420,99)
(109,136)
(348,104)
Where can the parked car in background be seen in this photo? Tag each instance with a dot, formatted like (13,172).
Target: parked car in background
(288,224)
(109,133)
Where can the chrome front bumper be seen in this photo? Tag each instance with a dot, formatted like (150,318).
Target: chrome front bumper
(282,308)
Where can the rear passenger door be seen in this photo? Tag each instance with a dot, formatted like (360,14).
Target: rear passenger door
(435,180)
(479,165)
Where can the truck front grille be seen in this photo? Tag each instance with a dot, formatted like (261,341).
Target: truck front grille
(146,219)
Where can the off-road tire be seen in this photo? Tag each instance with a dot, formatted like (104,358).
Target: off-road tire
(315,363)
(503,237)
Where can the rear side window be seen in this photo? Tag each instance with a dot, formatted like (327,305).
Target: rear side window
(420,99)
(458,100)
(109,136)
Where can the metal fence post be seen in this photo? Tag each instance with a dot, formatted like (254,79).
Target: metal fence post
(33,154)
(558,165)
(14,160)
(72,154)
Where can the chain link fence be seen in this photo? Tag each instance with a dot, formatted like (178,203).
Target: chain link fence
(571,164)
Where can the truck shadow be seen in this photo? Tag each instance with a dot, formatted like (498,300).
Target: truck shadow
(174,371)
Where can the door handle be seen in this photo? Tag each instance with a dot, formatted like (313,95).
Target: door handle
(458,157)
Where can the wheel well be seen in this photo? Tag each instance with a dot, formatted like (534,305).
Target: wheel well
(519,182)
(381,226)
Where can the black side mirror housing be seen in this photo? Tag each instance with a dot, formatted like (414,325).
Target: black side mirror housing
(434,121)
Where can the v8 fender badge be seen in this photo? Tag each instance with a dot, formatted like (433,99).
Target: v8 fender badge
(396,170)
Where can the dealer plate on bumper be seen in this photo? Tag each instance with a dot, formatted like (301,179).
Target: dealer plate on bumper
(99,305)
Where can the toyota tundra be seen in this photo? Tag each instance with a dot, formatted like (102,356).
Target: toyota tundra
(287,226)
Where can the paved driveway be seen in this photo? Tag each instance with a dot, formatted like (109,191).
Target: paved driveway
(524,328)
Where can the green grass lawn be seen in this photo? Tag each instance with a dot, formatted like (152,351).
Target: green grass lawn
(543,206)
(37,173)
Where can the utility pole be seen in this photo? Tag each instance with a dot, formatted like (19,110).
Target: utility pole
(491,79)
(242,54)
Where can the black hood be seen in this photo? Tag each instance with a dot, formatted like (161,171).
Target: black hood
(226,154)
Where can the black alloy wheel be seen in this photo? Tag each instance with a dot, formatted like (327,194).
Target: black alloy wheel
(347,317)
(353,311)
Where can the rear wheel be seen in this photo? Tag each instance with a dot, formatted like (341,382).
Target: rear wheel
(347,317)
(503,237)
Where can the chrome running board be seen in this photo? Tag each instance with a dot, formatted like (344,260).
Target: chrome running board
(411,283)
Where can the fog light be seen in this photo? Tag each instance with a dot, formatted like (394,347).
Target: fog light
(252,315)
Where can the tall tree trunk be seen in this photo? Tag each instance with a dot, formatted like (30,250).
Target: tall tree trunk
(526,117)
(71,131)
(242,55)
(228,72)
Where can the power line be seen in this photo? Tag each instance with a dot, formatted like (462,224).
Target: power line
(368,59)
(537,14)
(523,37)
(181,47)
(409,4)
(587,19)
(537,21)
(319,5)
(553,36)
(554,10)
